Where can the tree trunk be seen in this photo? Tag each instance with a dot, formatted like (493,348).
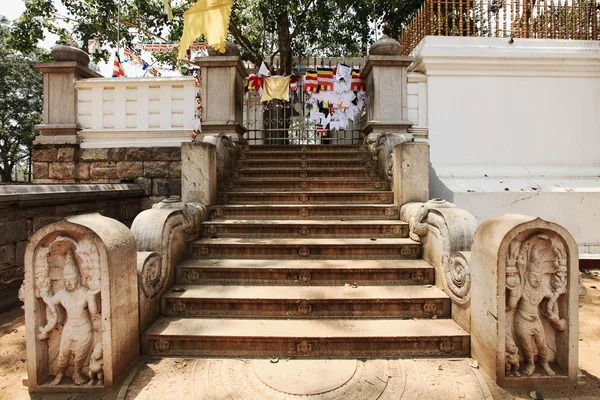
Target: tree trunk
(285,44)
(6,173)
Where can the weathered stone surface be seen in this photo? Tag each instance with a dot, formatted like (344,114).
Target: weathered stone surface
(20,253)
(166,187)
(7,256)
(166,153)
(45,154)
(42,221)
(40,170)
(525,320)
(175,170)
(82,171)
(199,173)
(61,171)
(93,154)
(156,169)
(117,154)
(87,266)
(12,231)
(66,154)
(103,170)
(130,169)
(139,154)
(146,184)
(411,172)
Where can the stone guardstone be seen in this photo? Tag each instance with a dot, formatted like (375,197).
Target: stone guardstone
(81,304)
(525,286)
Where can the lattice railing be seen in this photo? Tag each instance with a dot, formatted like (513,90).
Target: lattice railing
(542,19)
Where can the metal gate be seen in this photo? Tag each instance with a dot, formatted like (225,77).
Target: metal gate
(279,123)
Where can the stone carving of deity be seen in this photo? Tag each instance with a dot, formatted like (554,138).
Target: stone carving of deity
(80,305)
(536,277)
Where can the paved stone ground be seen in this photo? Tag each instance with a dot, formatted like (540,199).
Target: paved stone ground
(288,379)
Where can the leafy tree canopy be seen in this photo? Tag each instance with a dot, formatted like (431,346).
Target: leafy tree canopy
(263,29)
(20,101)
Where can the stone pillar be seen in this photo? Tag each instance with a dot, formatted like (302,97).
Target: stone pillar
(199,173)
(525,286)
(386,78)
(411,172)
(222,92)
(55,153)
(81,304)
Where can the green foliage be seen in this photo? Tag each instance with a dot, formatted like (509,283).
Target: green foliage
(20,102)
(261,28)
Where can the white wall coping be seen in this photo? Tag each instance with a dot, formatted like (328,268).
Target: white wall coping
(449,55)
(99,139)
(531,184)
(151,81)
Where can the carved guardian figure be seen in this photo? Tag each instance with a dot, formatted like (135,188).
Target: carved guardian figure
(536,277)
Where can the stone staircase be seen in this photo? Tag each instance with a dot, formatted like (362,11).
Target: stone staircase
(305,256)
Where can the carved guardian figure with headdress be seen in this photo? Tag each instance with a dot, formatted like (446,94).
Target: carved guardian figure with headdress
(536,276)
(80,304)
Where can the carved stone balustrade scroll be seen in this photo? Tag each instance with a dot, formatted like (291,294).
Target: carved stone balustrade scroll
(446,233)
(161,235)
(81,304)
(524,325)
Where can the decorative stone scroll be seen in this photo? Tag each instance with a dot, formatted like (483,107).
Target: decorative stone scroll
(161,235)
(79,274)
(525,322)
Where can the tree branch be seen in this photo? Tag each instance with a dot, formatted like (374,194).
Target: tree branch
(300,17)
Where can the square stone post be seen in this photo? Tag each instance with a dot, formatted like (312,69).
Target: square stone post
(386,78)
(55,152)
(222,93)
(199,173)
(411,172)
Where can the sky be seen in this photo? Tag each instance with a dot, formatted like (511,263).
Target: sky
(15,8)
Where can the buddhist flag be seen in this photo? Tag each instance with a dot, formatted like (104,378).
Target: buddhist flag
(310,81)
(358,82)
(117,67)
(209,18)
(325,78)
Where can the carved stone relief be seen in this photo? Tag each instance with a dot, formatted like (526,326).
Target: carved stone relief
(67,277)
(536,281)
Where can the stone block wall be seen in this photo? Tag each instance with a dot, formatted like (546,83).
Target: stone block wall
(156,169)
(24,209)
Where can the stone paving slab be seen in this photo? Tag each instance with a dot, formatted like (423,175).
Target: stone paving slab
(219,379)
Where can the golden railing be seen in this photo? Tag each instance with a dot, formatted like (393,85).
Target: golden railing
(544,19)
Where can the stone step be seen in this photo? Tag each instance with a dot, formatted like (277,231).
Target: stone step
(307,338)
(304,272)
(291,148)
(310,249)
(305,211)
(241,165)
(272,184)
(305,229)
(350,301)
(307,155)
(308,173)
(305,197)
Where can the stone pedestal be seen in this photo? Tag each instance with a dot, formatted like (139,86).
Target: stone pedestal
(222,94)
(81,304)
(386,79)
(60,96)
(525,285)
(411,172)
(59,130)
(199,173)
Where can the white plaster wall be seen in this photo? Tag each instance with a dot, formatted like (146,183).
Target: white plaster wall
(122,112)
(515,128)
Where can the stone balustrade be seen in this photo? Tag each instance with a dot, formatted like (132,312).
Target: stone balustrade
(135,112)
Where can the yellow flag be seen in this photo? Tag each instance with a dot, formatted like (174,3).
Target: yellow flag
(207,17)
(276,87)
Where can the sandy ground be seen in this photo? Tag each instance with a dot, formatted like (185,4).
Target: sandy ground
(13,361)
